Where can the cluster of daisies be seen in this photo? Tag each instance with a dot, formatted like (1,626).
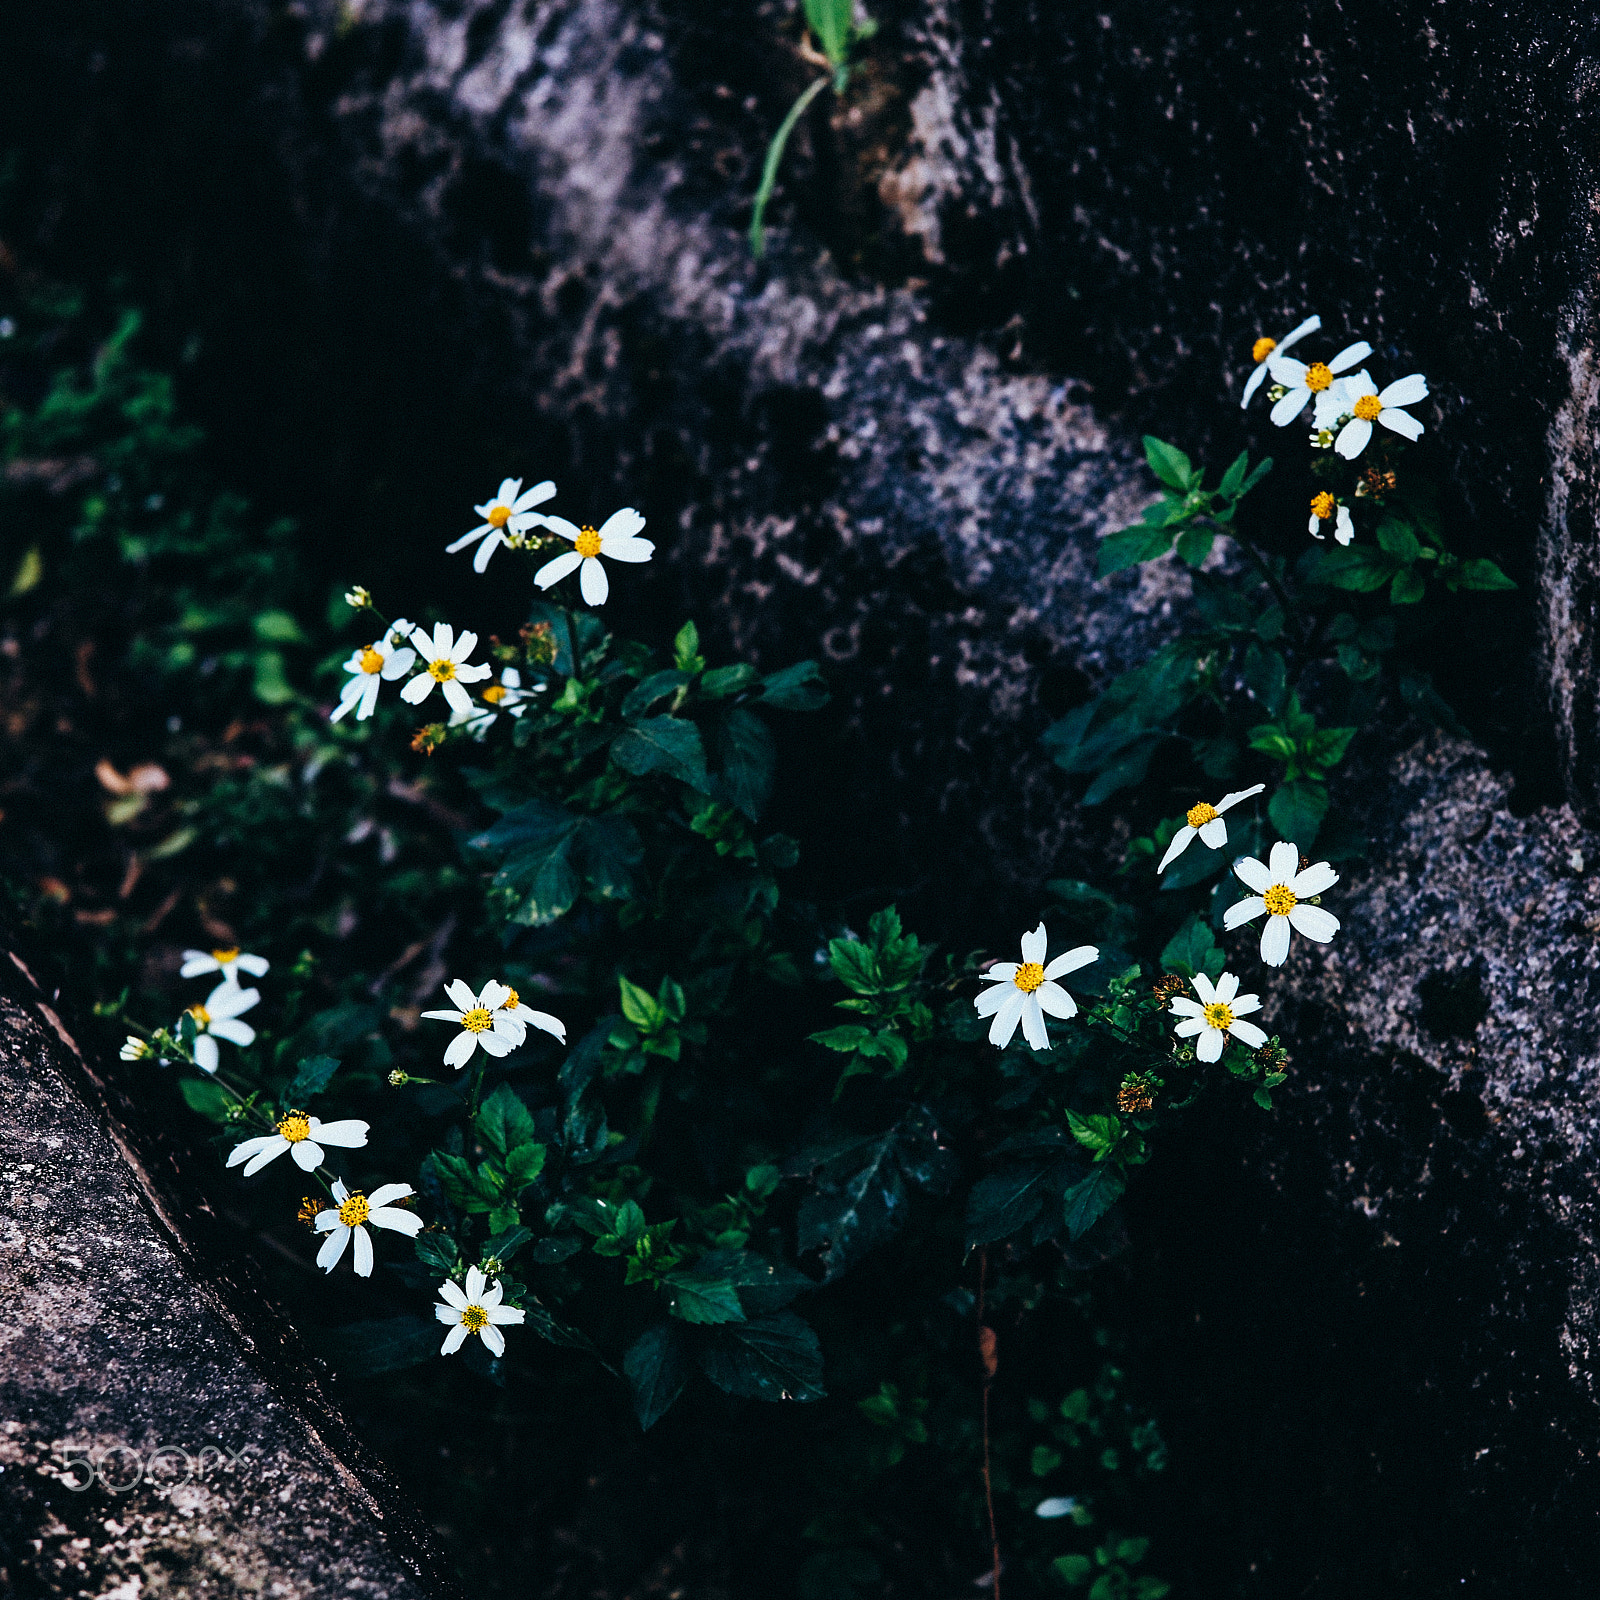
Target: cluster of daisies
(1285,888)
(1344,406)
(442,658)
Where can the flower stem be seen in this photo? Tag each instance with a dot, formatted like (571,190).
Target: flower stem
(769,170)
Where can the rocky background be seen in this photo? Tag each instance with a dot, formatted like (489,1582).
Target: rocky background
(401,243)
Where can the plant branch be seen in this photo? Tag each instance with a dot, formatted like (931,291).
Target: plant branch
(769,170)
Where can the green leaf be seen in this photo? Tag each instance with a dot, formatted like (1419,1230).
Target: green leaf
(504,1121)
(686,655)
(639,1005)
(1194,545)
(1407,589)
(770,1358)
(797,688)
(1233,478)
(694,1297)
(1481,573)
(1122,774)
(271,683)
(1128,547)
(1007,1201)
(206,1096)
(436,1250)
(1396,537)
(833,22)
(1085,1203)
(749,757)
(656,687)
(1168,463)
(720,682)
(525,1162)
(1096,1132)
(669,745)
(1073,1569)
(764,1286)
(1355,567)
(1297,810)
(1266,676)
(847,1036)
(502,1246)
(1193,948)
(657,1368)
(1326,747)
(277,627)
(1258,472)
(388,1344)
(311,1079)
(535,844)
(462,1187)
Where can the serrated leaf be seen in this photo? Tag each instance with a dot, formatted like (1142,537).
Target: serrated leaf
(310,1079)
(668,745)
(1481,573)
(657,1368)
(749,758)
(1194,545)
(639,1005)
(1396,538)
(656,687)
(720,682)
(388,1344)
(770,1358)
(525,1162)
(847,1036)
(797,688)
(695,1297)
(1129,547)
(436,1250)
(503,1121)
(1297,810)
(1096,1132)
(1192,949)
(1086,1202)
(1358,568)
(502,1246)
(1007,1201)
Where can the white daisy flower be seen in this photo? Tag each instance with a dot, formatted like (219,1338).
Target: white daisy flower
(484,1021)
(614,539)
(218,1018)
(1325,508)
(379,662)
(1023,991)
(1206,820)
(510,512)
(135,1049)
(474,1310)
(1367,404)
(444,661)
(1302,383)
(508,695)
(303,1137)
(1216,1014)
(1281,890)
(349,1215)
(1264,348)
(229,962)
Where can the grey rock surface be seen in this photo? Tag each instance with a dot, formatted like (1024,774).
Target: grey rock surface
(155,1437)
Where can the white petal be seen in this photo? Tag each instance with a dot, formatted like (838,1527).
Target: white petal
(1289,407)
(506,1316)
(1284,862)
(1353,437)
(1275,941)
(418,689)
(328,1255)
(507,491)
(449,1315)
(1314,922)
(363,1252)
(493,1337)
(493,995)
(632,550)
(461,994)
(1252,383)
(567,530)
(1286,370)
(392,1217)
(548,1024)
(460,1049)
(1180,842)
(1252,874)
(554,571)
(593,582)
(992,999)
(349,1134)
(1344,528)
(459,700)
(1295,335)
(1006,1019)
(256,966)
(536,496)
(1401,422)
(340,1193)
(1001,972)
(1081,956)
(229,1000)
(480,562)
(1182,1006)
(239,1033)
(1352,353)
(1035,944)
(1316,879)
(243,1152)
(492,1296)
(1203,988)
(388,1193)
(623,524)
(1033,1028)
(467,538)
(495,1044)
(1055,1000)
(196,962)
(1314,526)
(325,1221)
(1245,1004)
(1243,911)
(454,1340)
(1248,1033)
(1229,801)
(1214,834)
(1209,1045)
(1190,1026)
(475,1283)
(1227,988)
(206,1055)
(451,1291)
(307,1155)
(1405,391)
(443,1016)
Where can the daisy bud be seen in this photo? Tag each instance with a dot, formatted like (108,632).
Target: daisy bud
(1138,1093)
(135,1049)
(358,599)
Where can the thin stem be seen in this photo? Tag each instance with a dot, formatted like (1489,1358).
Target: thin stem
(572,643)
(986,1348)
(769,171)
(1290,609)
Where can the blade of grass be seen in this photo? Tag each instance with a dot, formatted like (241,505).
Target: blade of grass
(769,171)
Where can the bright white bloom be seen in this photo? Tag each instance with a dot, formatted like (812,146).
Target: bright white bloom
(135,1049)
(379,662)
(1264,348)
(1303,382)
(474,1310)
(508,695)
(1023,991)
(1325,509)
(1206,820)
(1281,890)
(218,1018)
(444,661)
(1216,1014)
(510,512)
(303,1137)
(614,539)
(349,1215)
(485,1020)
(1367,404)
(229,962)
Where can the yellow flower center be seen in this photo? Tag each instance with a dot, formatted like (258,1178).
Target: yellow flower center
(355,1211)
(202,1017)
(510,1001)
(499,516)
(295,1127)
(1281,900)
(442,670)
(1322,505)
(587,543)
(494,694)
(477,1020)
(1199,815)
(1219,1016)
(370,662)
(223,957)
(1318,376)
(1368,407)
(1261,349)
(474,1318)
(1029,976)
